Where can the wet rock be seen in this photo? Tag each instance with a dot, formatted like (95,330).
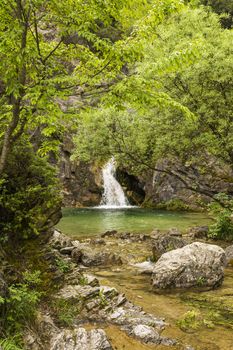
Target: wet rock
(76,255)
(121,299)
(59,241)
(165,243)
(67,250)
(229,255)
(198,232)
(109,233)
(98,241)
(146,334)
(129,315)
(155,234)
(39,336)
(174,232)
(134,237)
(91,280)
(81,339)
(96,259)
(79,292)
(195,265)
(73,277)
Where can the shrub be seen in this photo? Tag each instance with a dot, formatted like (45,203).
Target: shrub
(29,194)
(223,226)
(22,302)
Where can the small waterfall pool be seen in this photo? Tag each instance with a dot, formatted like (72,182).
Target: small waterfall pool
(78,222)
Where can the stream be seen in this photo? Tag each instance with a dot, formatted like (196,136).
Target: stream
(212,325)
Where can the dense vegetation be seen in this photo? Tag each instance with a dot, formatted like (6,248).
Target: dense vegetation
(149,82)
(184,80)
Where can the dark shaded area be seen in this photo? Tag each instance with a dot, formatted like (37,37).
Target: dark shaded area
(132,187)
(222,7)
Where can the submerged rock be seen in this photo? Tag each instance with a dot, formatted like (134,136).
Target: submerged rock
(195,265)
(80,339)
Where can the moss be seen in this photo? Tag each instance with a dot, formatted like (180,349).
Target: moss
(175,204)
(216,309)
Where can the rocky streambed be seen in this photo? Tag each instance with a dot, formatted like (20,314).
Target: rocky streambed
(106,299)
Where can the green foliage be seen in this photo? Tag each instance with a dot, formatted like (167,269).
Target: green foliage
(222,7)
(29,195)
(223,226)
(83,281)
(9,344)
(22,303)
(63,265)
(175,105)
(65,311)
(193,320)
(175,204)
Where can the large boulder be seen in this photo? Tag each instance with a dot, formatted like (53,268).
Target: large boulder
(195,265)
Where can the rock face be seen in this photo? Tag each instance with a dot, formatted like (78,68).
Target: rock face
(195,265)
(81,181)
(80,339)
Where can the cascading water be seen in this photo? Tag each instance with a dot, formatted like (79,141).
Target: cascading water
(113,196)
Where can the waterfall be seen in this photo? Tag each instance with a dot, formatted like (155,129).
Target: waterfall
(113,196)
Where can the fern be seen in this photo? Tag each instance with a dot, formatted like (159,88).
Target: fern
(9,344)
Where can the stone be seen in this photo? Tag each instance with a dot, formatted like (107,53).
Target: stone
(198,232)
(229,255)
(146,334)
(121,299)
(174,232)
(80,339)
(71,292)
(91,280)
(66,250)
(165,243)
(98,241)
(59,241)
(76,255)
(195,265)
(155,233)
(109,233)
(96,259)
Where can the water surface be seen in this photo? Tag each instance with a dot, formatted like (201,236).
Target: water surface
(89,222)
